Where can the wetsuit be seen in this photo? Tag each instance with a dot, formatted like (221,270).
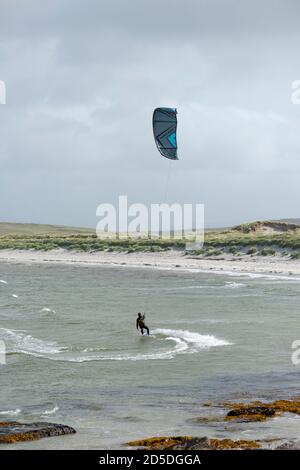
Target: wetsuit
(140,323)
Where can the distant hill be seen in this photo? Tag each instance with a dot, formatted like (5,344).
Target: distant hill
(267,227)
(17,229)
(290,221)
(7,228)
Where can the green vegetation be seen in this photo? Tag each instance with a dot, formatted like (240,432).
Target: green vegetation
(41,229)
(267,252)
(252,239)
(45,238)
(252,250)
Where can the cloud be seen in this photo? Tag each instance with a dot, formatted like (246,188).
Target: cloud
(82,82)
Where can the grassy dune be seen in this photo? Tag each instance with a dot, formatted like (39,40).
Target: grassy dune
(7,229)
(256,239)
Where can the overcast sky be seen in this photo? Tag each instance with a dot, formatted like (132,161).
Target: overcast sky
(83,78)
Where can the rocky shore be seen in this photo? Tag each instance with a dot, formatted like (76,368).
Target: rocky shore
(205,443)
(12,431)
(240,412)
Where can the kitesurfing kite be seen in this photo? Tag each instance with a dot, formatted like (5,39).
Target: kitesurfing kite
(165,130)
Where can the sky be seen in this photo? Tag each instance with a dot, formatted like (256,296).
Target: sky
(83,77)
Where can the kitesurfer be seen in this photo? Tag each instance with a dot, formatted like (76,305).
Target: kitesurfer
(140,323)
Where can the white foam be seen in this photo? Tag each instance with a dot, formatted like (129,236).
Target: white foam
(11,412)
(50,412)
(185,342)
(15,296)
(234,285)
(194,340)
(2,281)
(91,349)
(47,310)
(20,342)
(272,277)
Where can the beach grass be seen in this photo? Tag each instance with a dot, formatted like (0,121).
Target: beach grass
(235,241)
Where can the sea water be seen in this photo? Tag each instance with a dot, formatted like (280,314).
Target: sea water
(74,356)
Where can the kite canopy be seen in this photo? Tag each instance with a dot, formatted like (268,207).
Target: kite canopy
(164,130)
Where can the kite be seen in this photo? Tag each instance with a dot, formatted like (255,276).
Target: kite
(165,131)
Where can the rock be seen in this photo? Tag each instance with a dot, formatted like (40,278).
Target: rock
(253,413)
(161,442)
(207,419)
(223,444)
(193,443)
(259,411)
(290,445)
(13,431)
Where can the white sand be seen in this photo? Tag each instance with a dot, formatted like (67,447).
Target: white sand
(269,265)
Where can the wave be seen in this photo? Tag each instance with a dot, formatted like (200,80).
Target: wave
(47,310)
(271,276)
(228,284)
(193,340)
(20,342)
(11,412)
(183,341)
(213,321)
(223,272)
(174,288)
(234,285)
(51,411)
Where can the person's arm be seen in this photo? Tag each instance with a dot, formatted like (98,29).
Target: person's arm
(137,323)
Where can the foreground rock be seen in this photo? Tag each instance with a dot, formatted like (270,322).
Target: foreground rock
(193,443)
(251,413)
(259,411)
(254,411)
(12,431)
(289,445)
(205,443)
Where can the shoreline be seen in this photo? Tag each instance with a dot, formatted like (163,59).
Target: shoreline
(257,266)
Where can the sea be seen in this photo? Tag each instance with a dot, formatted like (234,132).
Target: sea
(70,352)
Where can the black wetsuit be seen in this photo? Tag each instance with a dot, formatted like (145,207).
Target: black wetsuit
(140,323)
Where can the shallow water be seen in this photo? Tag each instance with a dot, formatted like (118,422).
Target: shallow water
(75,357)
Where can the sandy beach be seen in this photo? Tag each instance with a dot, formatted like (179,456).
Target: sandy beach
(228,264)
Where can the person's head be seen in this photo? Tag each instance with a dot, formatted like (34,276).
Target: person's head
(139,314)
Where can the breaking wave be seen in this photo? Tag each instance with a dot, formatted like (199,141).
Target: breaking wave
(50,412)
(165,344)
(20,342)
(11,412)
